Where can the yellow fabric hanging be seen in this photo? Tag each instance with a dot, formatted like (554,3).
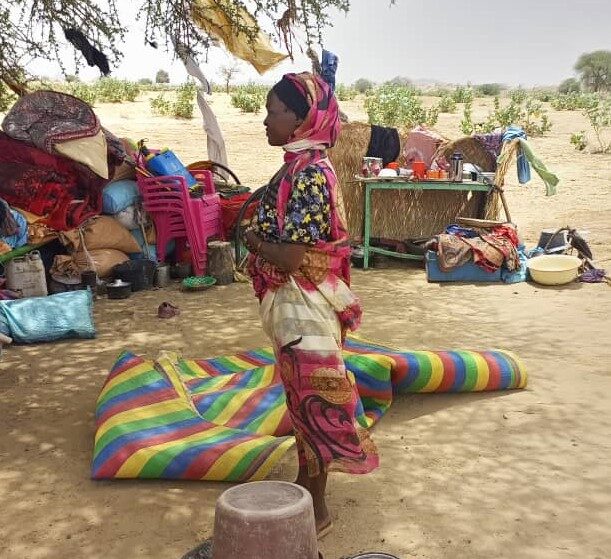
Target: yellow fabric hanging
(212,18)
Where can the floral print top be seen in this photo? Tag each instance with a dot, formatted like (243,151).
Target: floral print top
(307,218)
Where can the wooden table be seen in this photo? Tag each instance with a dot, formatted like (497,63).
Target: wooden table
(376,183)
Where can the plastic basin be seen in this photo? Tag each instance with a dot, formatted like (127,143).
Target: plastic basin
(554,269)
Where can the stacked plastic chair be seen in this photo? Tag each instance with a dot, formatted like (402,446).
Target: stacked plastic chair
(178,215)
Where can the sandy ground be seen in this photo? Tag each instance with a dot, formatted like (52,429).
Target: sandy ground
(522,474)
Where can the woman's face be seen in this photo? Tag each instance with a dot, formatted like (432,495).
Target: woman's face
(280,122)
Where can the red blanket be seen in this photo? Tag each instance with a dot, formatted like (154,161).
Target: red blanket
(62,191)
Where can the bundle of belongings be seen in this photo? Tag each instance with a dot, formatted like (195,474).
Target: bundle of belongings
(59,171)
(55,158)
(494,250)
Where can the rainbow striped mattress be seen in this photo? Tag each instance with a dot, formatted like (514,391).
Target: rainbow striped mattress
(225,418)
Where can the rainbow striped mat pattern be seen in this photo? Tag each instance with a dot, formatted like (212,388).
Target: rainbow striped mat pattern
(225,419)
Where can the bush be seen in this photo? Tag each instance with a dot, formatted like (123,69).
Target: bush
(599,115)
(544,95)
(391,105)
(183,107)
(447,104)
(249,98)
(111,90)
(7,98)
(145,81)
(579,140)
(344,93)
(161,106)
(528,114)
(462,94)
(489,89)
(570,85)
(83,91)
(573,101)
(438,92)
(162,77)
(363,85)
(518,96)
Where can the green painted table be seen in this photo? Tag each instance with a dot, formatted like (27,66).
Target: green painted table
(396,184)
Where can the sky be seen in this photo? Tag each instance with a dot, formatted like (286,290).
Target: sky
(517,42)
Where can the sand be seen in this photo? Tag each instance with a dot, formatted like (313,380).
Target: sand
(511,474)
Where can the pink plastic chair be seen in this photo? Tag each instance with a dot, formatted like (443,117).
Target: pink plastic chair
(179,216)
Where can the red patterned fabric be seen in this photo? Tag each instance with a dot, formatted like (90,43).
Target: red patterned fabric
(65,193)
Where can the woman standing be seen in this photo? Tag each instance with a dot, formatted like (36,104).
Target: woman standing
(300,265)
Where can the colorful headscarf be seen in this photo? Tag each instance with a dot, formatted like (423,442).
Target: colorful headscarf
(321,126)
(308,144)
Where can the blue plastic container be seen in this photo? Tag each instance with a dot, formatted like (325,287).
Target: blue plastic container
(468,272)
(167,164)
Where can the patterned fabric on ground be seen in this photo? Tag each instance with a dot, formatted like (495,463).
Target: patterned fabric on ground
(225,418)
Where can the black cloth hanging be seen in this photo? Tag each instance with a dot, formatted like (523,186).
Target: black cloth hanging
(385,143)
(93,56)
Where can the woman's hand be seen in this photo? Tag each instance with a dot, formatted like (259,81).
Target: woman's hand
(285,256)
(253,241)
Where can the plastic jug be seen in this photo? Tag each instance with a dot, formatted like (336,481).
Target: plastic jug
(167,164)
(27,274)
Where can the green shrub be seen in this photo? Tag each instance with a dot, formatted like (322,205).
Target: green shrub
(570,85)
(344,93)
(7,98)
(111,90)
(398,106)
(162,77)
(83,91)
(528,114)
(249,98)
(363,85)
(185,96)
(447,104)
(439,92)
(579,140)
(145,82)
(544,95)
(489,89)
(161,106)
(599,115)
(462,94)
(518,96)
(574,101)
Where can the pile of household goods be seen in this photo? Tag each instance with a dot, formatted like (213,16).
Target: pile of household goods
(72,213)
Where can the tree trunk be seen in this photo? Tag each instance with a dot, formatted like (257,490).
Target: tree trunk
(220,262)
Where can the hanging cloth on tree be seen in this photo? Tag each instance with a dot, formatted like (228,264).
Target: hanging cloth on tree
(217,151)
(93,56)
(329,65)
(211,17)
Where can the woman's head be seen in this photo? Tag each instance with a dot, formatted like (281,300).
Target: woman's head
(302,113)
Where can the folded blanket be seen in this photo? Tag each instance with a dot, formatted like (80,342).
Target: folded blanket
(225,419)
